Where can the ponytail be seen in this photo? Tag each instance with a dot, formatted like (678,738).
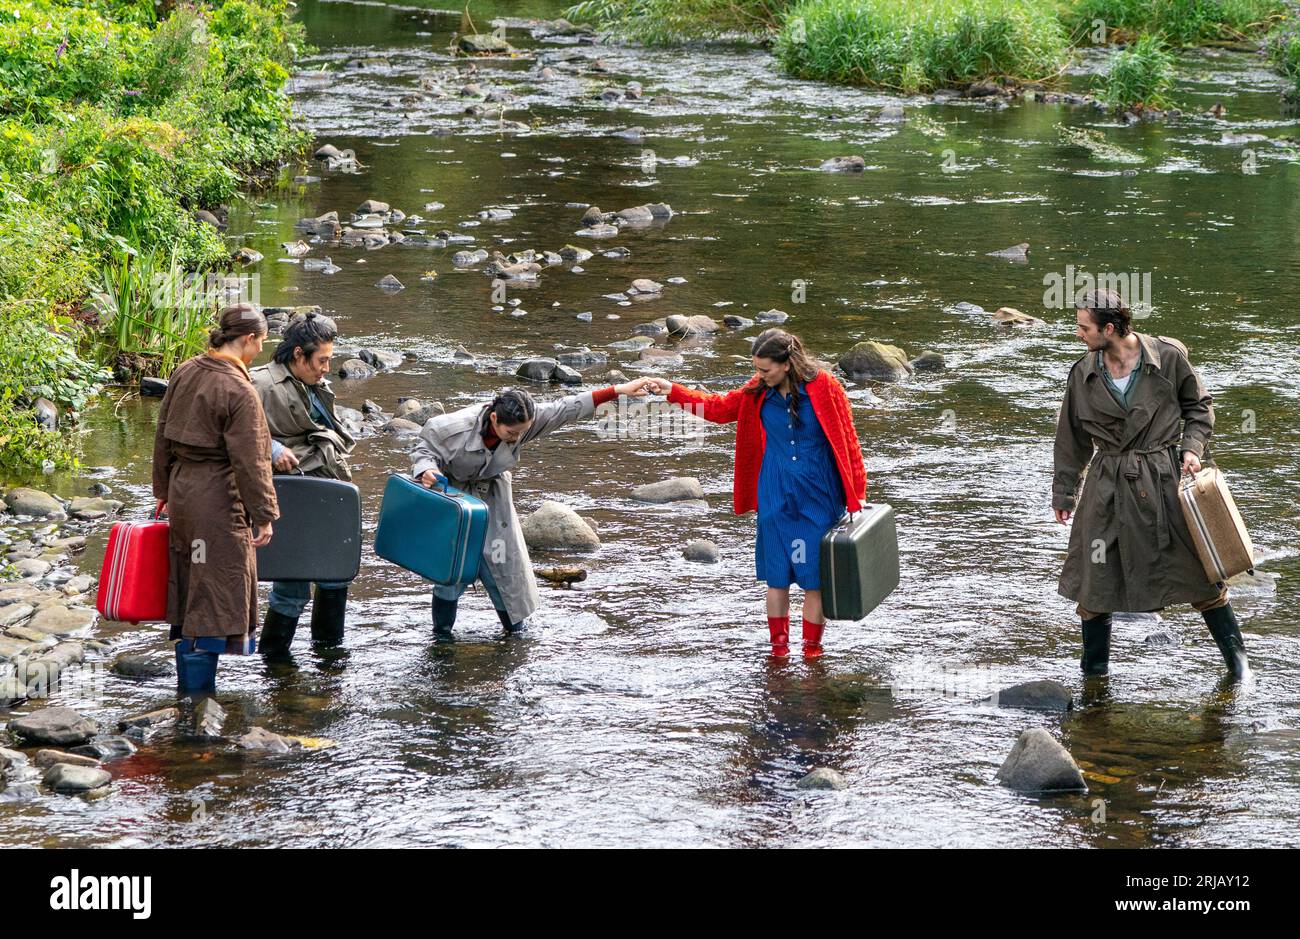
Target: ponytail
(240,319)
(515,406)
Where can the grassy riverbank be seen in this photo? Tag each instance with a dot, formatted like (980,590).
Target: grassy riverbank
(926,44)
(117,125)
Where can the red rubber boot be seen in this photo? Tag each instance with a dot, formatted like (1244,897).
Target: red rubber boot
(812,639)
(779,627)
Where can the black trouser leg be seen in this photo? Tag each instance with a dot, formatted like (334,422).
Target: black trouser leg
(1227,635)
(327,614)
(511,628)
(444,618)
(277,634)
(1096,645)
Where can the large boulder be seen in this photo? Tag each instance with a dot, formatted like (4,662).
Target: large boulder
(1039,763)
(24,501)
(555,526)
(875,360)
(59,727)
(701,551)
(670,490)
(537,369)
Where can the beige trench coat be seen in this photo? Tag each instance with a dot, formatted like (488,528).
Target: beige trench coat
(1130,549)
(320,450)
(452,444)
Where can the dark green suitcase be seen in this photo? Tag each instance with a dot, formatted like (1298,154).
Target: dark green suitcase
(859,562)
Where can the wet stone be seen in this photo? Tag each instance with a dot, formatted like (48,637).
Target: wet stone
(1039,763)
(44,759)
(555,526)
(33,502)
(669,490)
(701,552)
(844,164)
(106,747)
(58,620)
(138,665)
(64,777)
(156,718)
(1041,695)
(59,726)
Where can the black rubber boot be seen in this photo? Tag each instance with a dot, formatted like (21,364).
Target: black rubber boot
(277,635)
(1227,634)
(327,615)
(1096,645)
(444,618)
(512,629)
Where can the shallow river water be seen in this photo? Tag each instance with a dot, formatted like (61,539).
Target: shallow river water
(642,709)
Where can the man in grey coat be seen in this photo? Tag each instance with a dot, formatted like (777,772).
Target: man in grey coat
(474,449)
(307,436)
(1137,417)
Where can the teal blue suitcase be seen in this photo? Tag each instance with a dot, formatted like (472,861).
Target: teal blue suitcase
(437,533)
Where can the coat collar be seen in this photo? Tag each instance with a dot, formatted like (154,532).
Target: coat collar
(1150,352)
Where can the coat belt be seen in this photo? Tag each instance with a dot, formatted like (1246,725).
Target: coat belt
(1133,471)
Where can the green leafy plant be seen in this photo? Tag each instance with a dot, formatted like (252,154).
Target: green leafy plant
(1180,22)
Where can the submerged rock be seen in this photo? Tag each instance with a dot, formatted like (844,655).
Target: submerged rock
(483,44)
(136,665)
(555,526)
(823,777)
(844,164)
(537,369)
(355,368)
(1041,695)
(697,325)
(1039,763)
(928,361)
(1018,252)
(1009,316)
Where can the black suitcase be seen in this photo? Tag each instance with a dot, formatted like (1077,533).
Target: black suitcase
(318,534)
(859,562)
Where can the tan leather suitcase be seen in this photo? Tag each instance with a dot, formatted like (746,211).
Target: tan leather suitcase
(1219,534)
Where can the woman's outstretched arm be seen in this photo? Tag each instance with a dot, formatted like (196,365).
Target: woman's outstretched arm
(718,409)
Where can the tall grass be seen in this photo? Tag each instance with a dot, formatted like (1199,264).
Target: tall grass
(912,47)
(667,21)
(153,313)
(1140,76)
(1180,22)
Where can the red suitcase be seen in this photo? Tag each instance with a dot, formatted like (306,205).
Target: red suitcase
(133,580)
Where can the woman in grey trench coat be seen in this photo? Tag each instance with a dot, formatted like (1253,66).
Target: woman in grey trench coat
(475,448)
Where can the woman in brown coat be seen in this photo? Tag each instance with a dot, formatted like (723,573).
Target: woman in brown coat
(212,474)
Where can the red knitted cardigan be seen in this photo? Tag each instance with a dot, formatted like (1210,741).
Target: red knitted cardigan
(829,403)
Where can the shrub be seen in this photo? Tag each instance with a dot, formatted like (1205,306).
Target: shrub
(1283,48)
(918,47)
(663,21)
(1181,22)
(1140,76)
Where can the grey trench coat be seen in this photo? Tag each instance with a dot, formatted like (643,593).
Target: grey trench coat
(452,445)
(1130,549)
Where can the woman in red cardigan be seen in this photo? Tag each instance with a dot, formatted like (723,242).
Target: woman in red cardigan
(798,463)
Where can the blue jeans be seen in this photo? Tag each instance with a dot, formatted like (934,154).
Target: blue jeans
(453,593)
(289,597)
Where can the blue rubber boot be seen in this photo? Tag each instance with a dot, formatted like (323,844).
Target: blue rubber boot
(196,669)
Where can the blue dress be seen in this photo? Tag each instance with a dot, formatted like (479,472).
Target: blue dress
(800,495)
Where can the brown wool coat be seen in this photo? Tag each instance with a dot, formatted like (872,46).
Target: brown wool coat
(212,465)
(1130,549)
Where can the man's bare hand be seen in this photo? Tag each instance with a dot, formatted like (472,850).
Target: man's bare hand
(1062,515)
(261,535)
(1191,463)
(286,462)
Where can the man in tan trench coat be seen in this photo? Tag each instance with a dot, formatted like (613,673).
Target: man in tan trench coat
(307,436)
(1136,416)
